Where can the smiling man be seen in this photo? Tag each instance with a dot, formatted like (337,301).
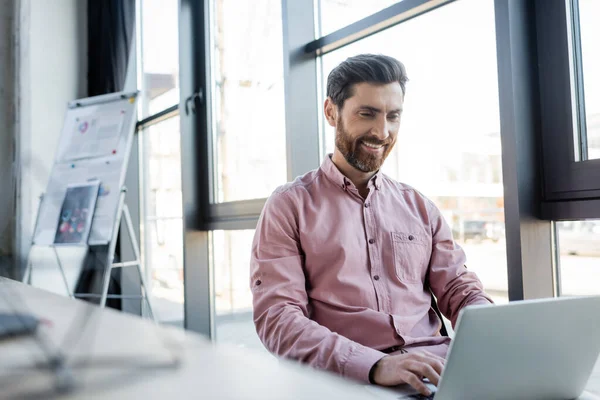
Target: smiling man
(345,259)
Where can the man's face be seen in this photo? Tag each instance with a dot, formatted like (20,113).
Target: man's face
(368,124)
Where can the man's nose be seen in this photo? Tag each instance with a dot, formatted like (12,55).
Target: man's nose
(381,128)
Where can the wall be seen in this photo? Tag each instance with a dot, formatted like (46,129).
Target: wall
(51,69)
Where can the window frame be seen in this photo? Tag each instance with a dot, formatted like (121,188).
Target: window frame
(571,188)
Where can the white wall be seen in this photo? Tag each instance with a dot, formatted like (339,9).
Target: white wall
(51,40)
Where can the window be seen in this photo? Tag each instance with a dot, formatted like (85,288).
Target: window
(160,55)
(231,255)
(336,14)
(588,11)
(579,257)
(248,106)
(233,298)
(160,158)
(569,97)
(162,218)
(452,101)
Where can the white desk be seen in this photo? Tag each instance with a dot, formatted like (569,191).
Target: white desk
(131,358)
(114,343)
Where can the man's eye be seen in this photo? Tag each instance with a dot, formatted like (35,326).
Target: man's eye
(394,117)
(365,114)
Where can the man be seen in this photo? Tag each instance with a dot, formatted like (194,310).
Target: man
(344,257)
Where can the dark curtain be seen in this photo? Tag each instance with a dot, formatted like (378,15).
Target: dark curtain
(111,25)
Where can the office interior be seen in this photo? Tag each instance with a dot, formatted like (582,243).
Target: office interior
(501,130)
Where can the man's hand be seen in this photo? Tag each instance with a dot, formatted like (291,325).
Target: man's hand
(409,368)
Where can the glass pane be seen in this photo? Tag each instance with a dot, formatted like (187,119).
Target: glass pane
(233,298)
(579,249)
(589,12)
(160,55)
(451,101)
(336,14)
(162,228)
(248,106)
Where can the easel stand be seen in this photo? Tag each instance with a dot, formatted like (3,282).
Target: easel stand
(122,212)
(29,266)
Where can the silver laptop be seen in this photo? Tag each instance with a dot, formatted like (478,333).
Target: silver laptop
(534,349)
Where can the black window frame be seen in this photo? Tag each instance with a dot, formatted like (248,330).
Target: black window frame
(571,188)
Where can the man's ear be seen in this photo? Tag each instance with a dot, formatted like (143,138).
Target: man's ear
(330,111)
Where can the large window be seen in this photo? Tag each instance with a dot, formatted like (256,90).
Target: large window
(233,298)
(162,223)
(569,61)
(160,55)
(160,153)
(579,257)
(475,67)
(248,102)
(231,255)
(449,142)
(587,12)
(336,14)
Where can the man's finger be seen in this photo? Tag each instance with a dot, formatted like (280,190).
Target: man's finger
(425,355)
(441,359)
(436,362)
(428,372)
(437,366)
(417,383)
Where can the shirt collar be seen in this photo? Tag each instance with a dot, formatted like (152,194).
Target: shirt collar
(336,176)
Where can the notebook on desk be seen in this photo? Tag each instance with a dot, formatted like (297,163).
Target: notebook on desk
(535,349)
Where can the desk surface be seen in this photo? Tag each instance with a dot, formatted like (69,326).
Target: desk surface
(115,355)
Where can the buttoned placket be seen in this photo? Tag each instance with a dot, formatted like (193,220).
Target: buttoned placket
(374,241)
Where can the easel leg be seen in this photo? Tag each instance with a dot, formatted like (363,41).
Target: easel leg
(111,251)
(29,266)
(62,272)
(136,252)
(27,274)
(123,212)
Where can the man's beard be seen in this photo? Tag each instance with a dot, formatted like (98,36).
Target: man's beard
(353,152)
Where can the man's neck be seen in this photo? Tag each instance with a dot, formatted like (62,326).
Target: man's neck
(359,178)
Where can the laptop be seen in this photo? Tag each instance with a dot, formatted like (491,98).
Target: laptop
(532,349)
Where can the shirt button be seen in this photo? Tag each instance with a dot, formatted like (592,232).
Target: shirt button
(411,237)
(258,282)
(371,241)
(367,205)
(376,277)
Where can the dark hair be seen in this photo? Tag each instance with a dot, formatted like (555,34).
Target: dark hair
(372,68)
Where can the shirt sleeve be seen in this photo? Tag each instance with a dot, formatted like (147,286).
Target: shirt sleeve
(452,284)
(281,304)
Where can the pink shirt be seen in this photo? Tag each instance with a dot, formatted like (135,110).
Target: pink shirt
(336,278)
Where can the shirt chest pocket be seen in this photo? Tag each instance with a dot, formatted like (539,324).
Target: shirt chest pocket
(411,256)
